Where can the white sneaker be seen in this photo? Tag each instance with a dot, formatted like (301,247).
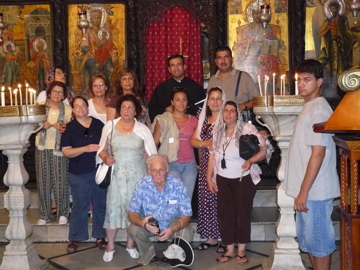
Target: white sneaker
(108,256)
(133,253)
(63,220)
(42,222)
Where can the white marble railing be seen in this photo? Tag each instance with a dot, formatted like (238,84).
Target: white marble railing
(280,120)
(17,123)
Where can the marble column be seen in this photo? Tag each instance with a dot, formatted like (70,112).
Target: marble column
(15,131)
(279,113)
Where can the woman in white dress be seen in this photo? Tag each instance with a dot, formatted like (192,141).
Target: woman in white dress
(99,85)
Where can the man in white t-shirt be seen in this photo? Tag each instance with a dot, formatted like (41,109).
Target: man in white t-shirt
(311,176)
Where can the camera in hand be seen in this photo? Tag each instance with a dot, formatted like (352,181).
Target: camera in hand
(153,222)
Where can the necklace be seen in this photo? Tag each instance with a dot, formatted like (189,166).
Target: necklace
(129,129)
(225,146)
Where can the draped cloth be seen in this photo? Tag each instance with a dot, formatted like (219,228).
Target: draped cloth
(162,39)
(42,133)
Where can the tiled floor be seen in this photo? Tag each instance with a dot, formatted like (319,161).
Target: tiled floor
(90,257)
(51,247)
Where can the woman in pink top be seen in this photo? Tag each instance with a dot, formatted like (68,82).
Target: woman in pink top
(173,131)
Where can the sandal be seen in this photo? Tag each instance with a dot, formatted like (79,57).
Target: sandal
(72,247)
(221,249)
(241,257)
(224,258)
(101,243)
(205,246)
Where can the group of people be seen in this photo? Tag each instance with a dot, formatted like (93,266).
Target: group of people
(151,148)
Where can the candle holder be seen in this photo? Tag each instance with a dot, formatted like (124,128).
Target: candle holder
(83,23)
(2,25)
(261,101)
(265,15)
(22,110)
(354,7)
(288,100)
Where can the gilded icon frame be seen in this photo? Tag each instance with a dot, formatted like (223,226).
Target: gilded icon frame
(257,50)
(101,49)
(27,47)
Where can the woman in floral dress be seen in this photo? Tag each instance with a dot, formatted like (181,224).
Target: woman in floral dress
(207,225)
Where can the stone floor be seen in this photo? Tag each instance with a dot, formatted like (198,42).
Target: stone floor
(50,243)
(51,246)
(90,257)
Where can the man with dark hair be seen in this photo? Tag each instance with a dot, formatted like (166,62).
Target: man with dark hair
(311,177)
(237,85)
(161,98)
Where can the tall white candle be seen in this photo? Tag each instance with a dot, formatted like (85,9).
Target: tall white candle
(265,85)
(10,94)
(20,94)
(27,93)
(274,83)
(34,96)
(15,97)
(2,96)
(29,90)
(259,82)
(296,84)
(284,84)
(266,81)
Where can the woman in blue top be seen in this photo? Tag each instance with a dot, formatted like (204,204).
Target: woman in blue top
(79,143)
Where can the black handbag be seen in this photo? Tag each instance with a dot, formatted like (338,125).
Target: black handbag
(248,146)
(103,175)
(104,172)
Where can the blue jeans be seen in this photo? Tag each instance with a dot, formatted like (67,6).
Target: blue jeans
(315,230)
(84,192)
(186,172)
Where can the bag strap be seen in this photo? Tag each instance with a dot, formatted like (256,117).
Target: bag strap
(237,84)
(112,129)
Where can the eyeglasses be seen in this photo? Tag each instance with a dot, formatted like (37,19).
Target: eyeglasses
(230,111)
(160,171)
(86,133)
(57,92)
(98,85)
(82,106)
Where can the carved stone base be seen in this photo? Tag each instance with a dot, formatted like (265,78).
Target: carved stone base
(22,252)
(284,259)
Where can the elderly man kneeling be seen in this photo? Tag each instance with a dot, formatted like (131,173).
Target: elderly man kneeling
(164,198)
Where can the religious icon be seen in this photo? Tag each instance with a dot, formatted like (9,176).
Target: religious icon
(10,71)
(257,50)
(99,49)
(333,39)
(338,39)
(40,60)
